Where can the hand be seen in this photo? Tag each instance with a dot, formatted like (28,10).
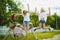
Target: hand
(28,7)
(27,4)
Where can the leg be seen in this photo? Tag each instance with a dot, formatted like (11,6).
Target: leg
(27,25)
(44,26)
(24,25)
(40,25)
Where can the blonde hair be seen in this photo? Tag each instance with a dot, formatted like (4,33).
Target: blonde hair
(42,10)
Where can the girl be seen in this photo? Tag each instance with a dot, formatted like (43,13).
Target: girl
(26,19)
(42,16)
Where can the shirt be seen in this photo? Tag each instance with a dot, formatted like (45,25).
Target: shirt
(26,17)
(42,15)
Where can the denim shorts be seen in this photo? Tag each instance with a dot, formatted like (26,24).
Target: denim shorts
(42,21)
(26,22)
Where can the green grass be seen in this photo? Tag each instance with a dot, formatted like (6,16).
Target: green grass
(47,34)
(30,36)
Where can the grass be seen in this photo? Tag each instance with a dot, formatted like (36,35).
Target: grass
(30,36)
(47,34)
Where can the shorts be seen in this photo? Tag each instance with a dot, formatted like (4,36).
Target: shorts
(26,22)
(42,21)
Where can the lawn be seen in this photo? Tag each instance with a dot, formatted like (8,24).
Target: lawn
(30,36)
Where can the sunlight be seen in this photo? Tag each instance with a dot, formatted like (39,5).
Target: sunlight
(40,3)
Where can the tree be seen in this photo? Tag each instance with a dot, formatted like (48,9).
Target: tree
(34,19)
(58,22)
(53,21)
(12,7)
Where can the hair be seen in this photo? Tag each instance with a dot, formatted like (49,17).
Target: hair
(27,11)
(24,12)
(13,16)
(42,10)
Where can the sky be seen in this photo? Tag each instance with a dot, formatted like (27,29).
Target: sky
(53,4)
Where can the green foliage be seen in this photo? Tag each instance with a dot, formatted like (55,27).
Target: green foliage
(58,22)
(30,36)
(34,19)
(2,12)
(51,20)
(12,7)
(19,19)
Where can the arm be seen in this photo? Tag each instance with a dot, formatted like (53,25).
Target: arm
(49,12)
(19,14)
(28,7)
(36,12)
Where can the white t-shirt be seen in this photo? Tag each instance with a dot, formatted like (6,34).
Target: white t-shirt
(42,15)
(26,17)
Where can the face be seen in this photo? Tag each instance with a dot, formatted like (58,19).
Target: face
(13,16)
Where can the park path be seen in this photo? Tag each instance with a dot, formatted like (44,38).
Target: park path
(56,37)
